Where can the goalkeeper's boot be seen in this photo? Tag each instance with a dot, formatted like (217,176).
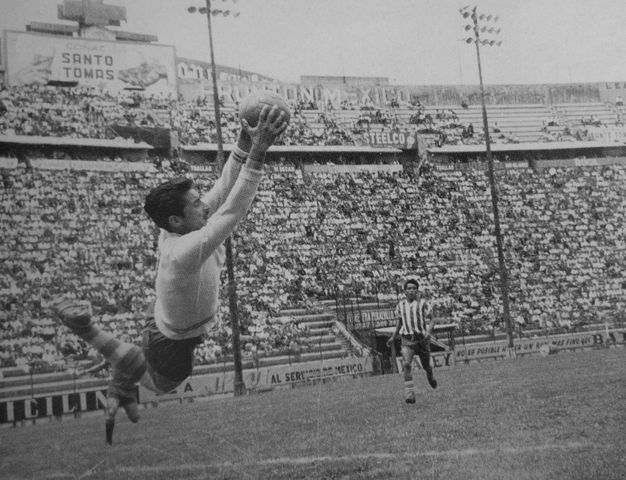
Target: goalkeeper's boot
(410,397)
(75,314)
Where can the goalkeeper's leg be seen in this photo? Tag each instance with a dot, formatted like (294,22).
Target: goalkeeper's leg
(125,357)
(76,315)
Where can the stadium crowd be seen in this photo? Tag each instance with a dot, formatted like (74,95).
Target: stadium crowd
(82,112)
(308,237)
(311,237)
(76,112)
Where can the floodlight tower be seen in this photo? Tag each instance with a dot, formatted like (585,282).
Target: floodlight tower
(232,286)
(475,16)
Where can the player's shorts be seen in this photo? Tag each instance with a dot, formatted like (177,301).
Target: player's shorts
(416,344)
(172,359)
(416,341)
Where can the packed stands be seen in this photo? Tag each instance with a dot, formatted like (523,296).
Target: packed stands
(312,236)
(77,112)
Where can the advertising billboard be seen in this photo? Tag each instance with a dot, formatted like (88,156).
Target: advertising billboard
(48,59)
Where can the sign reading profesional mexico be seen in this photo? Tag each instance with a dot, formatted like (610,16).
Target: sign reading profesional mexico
(43,59)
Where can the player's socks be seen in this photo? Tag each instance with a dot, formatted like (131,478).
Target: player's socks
(409,391)
(109,425)
(431,380)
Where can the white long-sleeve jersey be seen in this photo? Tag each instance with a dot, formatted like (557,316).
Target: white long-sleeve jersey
(188,273)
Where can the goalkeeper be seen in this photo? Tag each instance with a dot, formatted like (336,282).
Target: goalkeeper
(191,255)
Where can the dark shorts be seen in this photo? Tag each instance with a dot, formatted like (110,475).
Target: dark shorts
(416,344)
(172,359)
(416,341)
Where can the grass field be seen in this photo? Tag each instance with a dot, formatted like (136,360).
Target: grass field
(556,417)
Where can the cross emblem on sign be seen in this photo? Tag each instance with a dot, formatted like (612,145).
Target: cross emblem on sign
(91,13)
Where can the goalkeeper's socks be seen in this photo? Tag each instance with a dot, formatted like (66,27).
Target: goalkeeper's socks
(110,424)
(126,357)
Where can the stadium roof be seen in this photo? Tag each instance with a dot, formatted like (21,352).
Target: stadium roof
(521,147)
(135,37)
(211,147)
(74,142)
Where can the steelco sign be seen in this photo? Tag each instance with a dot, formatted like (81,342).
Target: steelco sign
(403,140)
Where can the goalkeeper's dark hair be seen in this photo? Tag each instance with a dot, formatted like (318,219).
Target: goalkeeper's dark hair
(167,199)
(412,281)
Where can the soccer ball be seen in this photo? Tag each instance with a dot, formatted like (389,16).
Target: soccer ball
(251,106)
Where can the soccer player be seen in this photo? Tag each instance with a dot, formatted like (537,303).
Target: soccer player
(191,255)
(415,335)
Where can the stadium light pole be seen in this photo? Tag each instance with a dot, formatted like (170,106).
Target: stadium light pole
(239,385)
(475,16)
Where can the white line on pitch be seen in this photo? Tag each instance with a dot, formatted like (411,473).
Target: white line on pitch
(466,452)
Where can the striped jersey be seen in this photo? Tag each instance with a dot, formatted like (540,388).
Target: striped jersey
(413,316)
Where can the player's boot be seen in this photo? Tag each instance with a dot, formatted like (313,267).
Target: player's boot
(75,314)
(410,397)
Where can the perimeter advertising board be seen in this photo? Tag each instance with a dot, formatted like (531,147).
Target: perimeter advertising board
(53,404)
(85,399)
(265,378)
(44,59)
(539,345)
(533,346)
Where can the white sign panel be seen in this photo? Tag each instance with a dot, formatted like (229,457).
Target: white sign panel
(41,59)
(264,378)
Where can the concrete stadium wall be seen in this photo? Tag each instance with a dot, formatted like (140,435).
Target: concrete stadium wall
(381,95)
